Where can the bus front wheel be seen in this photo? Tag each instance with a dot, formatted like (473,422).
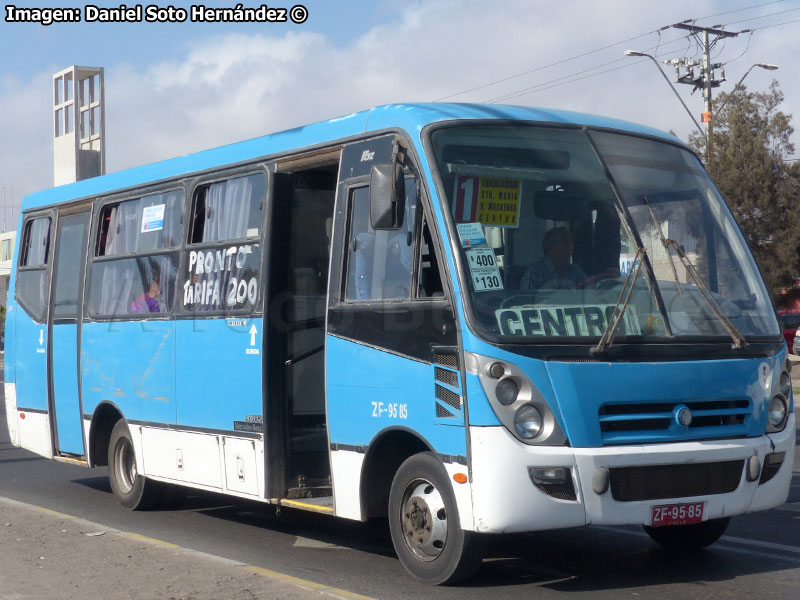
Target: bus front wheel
(689,537)
(132,490)
(424,524)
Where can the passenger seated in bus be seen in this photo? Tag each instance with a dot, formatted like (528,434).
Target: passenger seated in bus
(147,302)
(554,270)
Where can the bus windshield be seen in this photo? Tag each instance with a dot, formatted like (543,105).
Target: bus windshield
(558,228)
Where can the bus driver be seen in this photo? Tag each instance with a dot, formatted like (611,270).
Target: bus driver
(554,270)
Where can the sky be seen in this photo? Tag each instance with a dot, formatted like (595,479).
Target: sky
(176,88)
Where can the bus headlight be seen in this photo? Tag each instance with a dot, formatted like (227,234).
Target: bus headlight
(785,384)
(516,402)
(528,422)
(776,419)
(506,391)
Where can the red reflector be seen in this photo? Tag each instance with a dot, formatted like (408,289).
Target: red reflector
(21,415)
(460,478)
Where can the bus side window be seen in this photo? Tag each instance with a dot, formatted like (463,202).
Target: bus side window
(32,274)
(121,284)
(230,209)
(223,262)
(380,263)
(430,280)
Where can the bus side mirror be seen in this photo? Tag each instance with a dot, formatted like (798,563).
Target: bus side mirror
(387,194)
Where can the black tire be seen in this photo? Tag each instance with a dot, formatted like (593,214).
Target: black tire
(423,520)
(689,537)
(132,490)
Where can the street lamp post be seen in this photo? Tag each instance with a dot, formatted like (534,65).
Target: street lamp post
(664,75)
(766,66)
(708,83)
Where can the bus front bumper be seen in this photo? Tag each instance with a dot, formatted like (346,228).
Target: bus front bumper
(505,497)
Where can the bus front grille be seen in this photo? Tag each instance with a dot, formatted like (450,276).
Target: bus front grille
(658,422)
(658,482)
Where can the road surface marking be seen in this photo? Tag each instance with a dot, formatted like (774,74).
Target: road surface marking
(309,584)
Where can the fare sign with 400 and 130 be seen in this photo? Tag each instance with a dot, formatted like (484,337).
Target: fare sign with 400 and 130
(483,269)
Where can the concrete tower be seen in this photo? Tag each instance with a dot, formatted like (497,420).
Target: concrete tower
(79,142)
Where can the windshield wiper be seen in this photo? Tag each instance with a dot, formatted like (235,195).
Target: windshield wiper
(622,303)
(670,244)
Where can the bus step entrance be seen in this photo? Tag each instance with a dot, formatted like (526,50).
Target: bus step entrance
(311,488)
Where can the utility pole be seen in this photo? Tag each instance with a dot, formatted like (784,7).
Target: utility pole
(706,78)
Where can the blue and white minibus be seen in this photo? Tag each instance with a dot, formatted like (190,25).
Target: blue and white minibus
(468,319)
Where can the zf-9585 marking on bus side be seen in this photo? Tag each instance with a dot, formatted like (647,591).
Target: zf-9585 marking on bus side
(392,410)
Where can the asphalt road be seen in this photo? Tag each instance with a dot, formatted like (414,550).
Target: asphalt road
(758,557)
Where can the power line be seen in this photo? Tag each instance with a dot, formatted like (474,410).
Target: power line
(571,58)
(782,12)
(574,76)
(559,81)
(728,12)
(559,62)
(546,84)
(746,49)
(541,89)
(776,25)
(534,88)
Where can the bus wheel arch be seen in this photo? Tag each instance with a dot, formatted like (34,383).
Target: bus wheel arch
(104,418)
(384,456)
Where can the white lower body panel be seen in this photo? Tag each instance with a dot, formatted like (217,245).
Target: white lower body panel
(33,432)
(11,411)
(346,475)
(207,461)
(506,500)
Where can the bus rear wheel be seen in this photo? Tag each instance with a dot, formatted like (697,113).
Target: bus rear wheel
(132,490)
(689,537)
(424,524)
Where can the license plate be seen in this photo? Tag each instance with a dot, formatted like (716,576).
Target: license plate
(678,514)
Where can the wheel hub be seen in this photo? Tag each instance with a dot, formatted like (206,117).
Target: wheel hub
(417,516)
(424,520)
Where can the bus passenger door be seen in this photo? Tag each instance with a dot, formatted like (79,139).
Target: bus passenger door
(301,214)
(388,320)
(64,330)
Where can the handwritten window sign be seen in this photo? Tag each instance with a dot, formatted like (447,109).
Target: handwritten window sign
(564,321)
(222,278)
(492,201)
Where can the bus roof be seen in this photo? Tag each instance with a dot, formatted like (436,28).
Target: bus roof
(411,117)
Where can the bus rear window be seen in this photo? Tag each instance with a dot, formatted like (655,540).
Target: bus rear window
(32,287)
(35,243)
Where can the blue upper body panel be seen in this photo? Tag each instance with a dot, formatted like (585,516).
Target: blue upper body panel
(410,117)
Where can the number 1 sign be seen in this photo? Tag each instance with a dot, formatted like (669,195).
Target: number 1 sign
(465,207)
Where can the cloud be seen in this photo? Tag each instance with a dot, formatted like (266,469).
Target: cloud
(224,88)
(26,129)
